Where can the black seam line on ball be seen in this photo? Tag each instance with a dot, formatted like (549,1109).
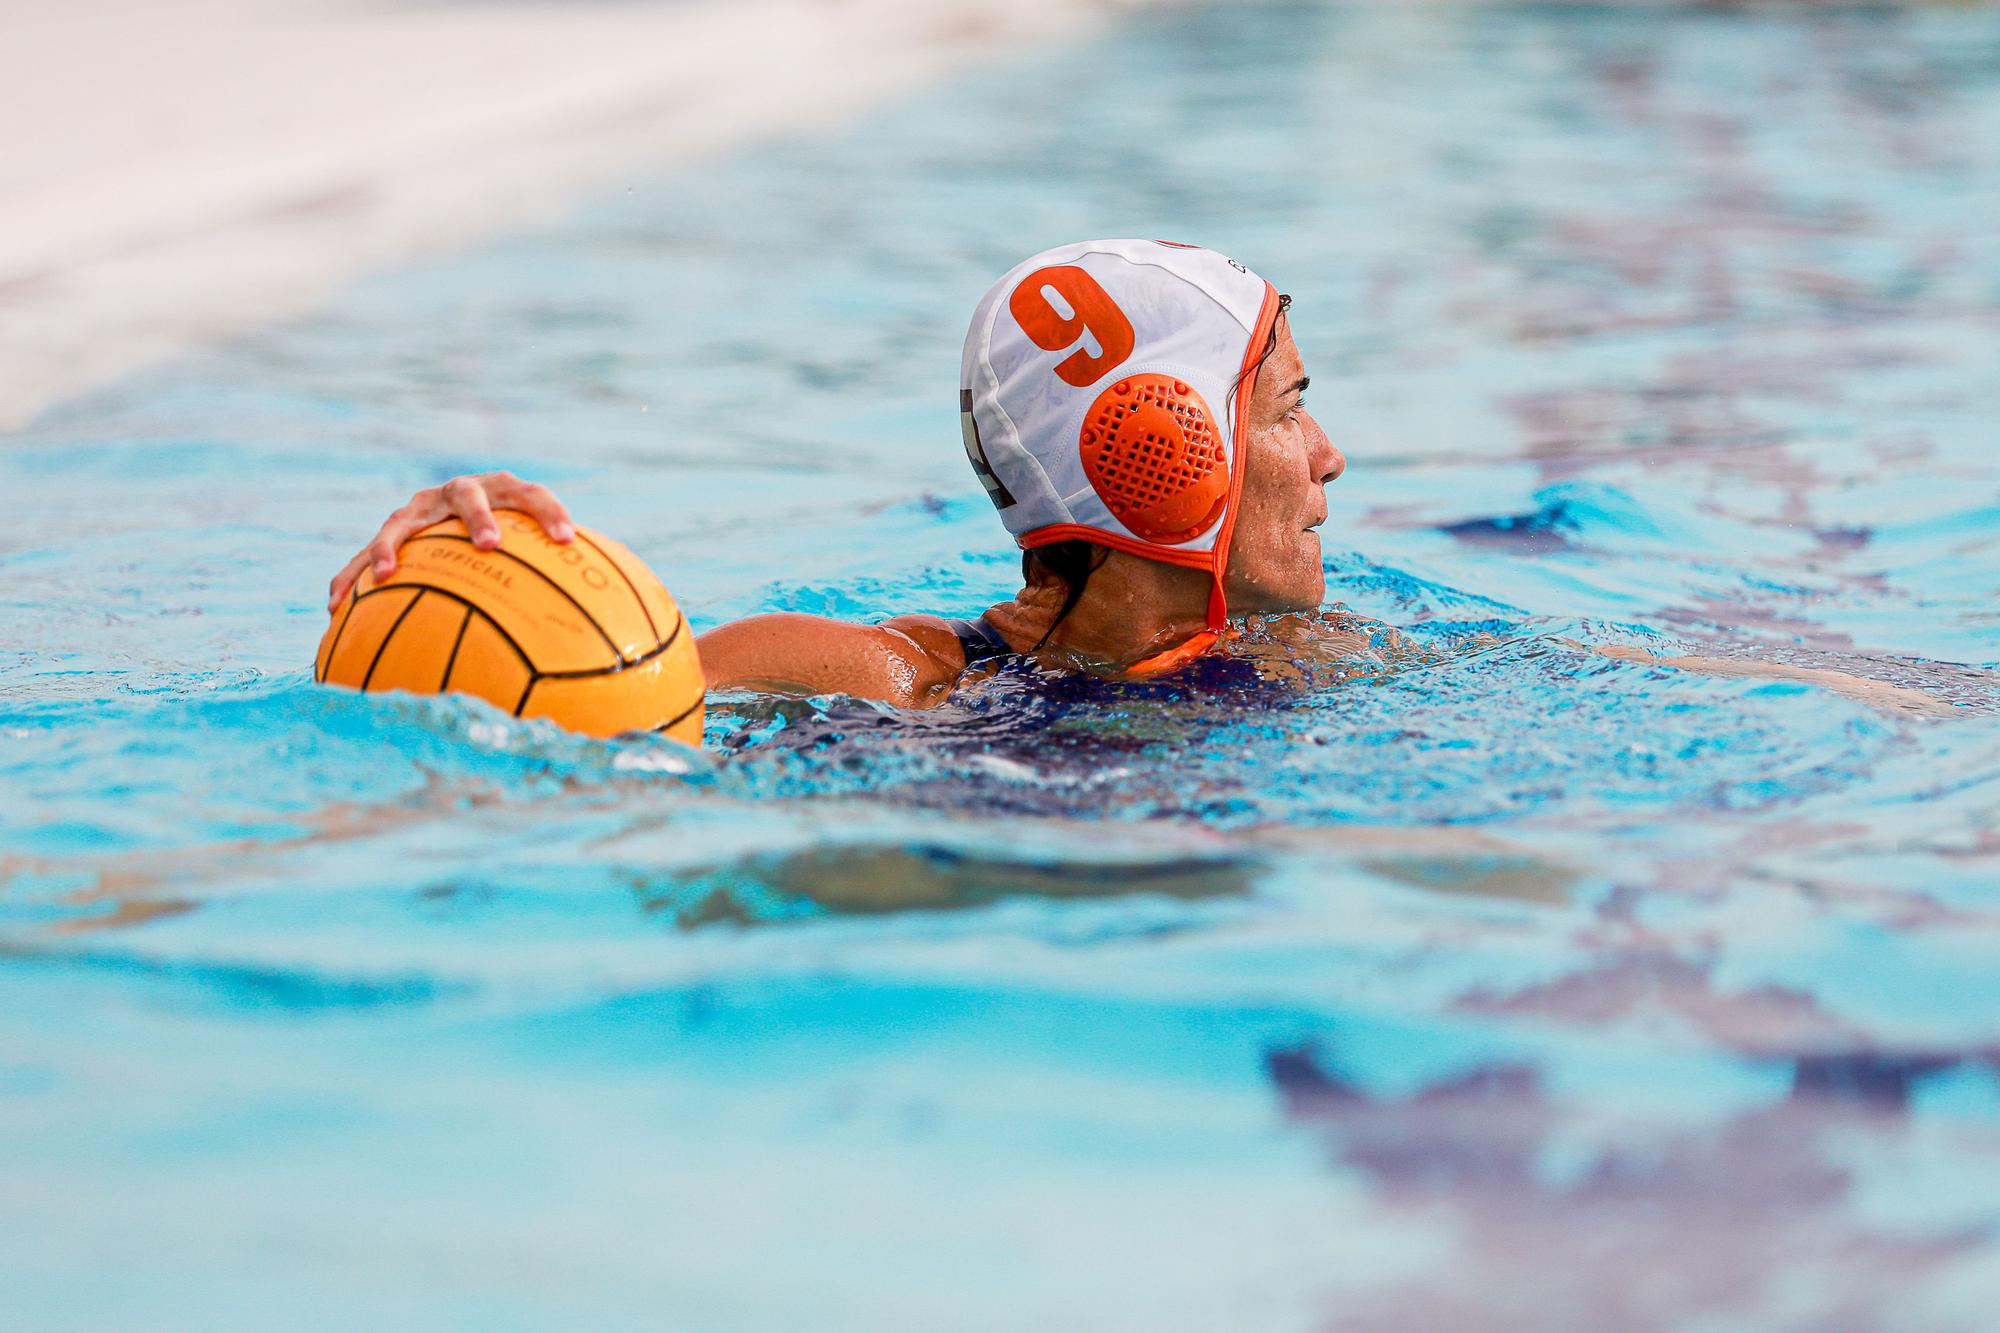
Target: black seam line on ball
(651,628)
(452,661)
(589,619)
(346,615)
(448,594)
(530,689)
(638,661)
(685,713)
(390,637)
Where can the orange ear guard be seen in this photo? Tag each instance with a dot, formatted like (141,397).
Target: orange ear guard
(1153,454)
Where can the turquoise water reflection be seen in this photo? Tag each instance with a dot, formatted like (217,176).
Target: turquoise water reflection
(1508,987)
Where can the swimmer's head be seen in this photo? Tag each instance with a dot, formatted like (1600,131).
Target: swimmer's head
(1143,396)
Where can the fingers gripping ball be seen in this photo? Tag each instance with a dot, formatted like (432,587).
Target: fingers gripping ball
(1152,451)
(582,634)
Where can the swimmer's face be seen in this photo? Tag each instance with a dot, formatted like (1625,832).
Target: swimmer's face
(1274,555)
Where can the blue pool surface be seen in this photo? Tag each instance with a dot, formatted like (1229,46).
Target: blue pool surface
(1492,985)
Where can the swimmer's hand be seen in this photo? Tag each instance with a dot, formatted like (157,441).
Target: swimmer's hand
(1874,693)
(470,498)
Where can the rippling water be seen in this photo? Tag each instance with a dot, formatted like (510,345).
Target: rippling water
(1491,984)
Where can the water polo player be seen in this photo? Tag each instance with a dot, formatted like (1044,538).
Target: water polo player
(1136,411)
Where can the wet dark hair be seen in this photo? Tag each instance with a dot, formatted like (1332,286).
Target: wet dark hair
(1249,375)
(1072,562)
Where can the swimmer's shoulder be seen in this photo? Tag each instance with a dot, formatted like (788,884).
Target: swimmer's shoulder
(944,649)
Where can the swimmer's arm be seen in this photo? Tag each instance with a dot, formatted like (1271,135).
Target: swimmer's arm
(1874,693)
(911,661)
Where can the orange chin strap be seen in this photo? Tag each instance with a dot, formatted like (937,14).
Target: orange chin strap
(1219,630)
(1177,656)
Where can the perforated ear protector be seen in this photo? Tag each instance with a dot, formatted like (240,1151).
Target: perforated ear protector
(1104,394)
(1153,452)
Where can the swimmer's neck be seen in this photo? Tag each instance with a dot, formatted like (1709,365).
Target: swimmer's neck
(1130,609)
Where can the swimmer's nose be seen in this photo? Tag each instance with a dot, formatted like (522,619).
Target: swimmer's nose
(1328,459)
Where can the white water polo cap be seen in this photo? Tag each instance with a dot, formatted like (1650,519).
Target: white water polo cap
(1105,392)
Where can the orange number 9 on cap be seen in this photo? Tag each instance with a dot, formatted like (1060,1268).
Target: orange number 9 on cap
(1091,310)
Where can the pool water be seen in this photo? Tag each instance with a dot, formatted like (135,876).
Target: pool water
(1493,984)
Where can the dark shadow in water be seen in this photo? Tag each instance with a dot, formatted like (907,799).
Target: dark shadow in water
(231,988)
(873,878)
(1546,529)
(866,880)
(1659,1230)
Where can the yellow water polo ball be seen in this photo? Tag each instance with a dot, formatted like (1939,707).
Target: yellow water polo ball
(582,634)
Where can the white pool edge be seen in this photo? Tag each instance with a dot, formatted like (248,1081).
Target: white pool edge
(209,166)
